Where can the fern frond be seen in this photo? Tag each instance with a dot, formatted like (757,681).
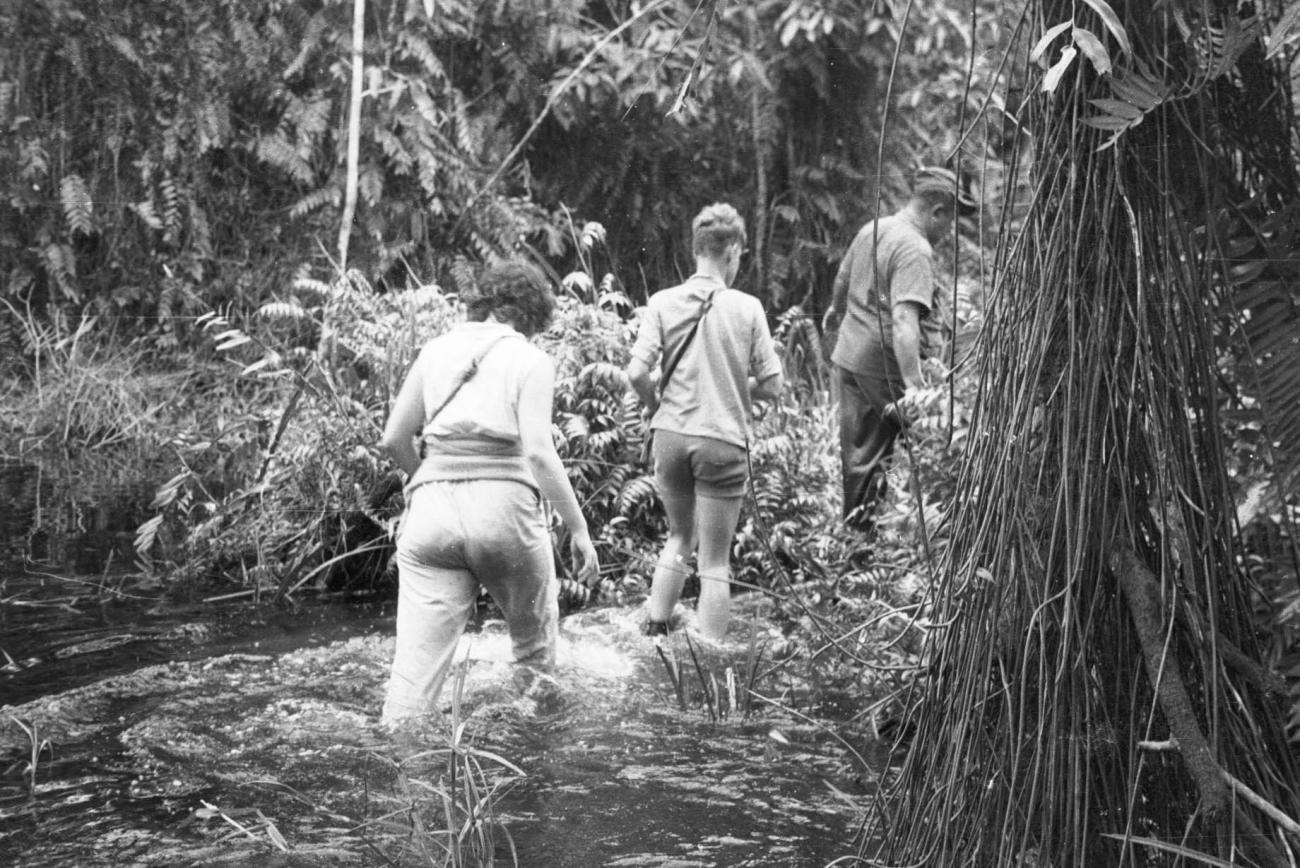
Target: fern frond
(463,276)
(466,137)
(61,264)
(200,230)
(171,201)
(636,495)
(215,122)
(418,298)
(311,38)
(318,198)
(393,149)
(78,207)
(575,427)
(145,211)
(279,311)
(1137,92)
(279,153)
(603,442)
(370,184)
(123,46)
(312,119)
(8,93)
(413,45)
(613,481)
(428,110)
(355,282)
(606,375)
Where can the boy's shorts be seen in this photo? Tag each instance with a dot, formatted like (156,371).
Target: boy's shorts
(686,464)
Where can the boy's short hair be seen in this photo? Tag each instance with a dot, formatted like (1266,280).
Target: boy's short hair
(715,228)
(516,292)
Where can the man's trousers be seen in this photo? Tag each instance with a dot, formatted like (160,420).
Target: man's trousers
(867,435)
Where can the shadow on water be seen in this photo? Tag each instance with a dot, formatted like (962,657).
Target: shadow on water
(134,733)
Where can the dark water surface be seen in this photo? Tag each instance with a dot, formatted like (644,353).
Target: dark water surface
(232,734)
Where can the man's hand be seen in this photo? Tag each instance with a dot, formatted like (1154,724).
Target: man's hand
(831,320)
(585,561)
(910,405)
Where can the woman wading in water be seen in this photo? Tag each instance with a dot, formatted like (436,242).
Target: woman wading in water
(716,358)
(479,399)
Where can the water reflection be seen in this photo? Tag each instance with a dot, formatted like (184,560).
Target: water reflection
(73,517)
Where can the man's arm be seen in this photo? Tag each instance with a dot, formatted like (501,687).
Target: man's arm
(907,342)
(839,295)
(767,389)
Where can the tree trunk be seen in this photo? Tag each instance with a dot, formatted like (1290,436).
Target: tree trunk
(354,130)
(1092,590)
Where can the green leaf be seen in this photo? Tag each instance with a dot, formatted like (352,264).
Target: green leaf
(1111,20)
(1091,46)
(257,365)
(1136,90)
(1053,77)
(1285,32)
(1108,122)
(1118,108)
(1036,56)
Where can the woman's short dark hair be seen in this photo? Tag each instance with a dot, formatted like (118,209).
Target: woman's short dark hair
(515,292)
(715,229)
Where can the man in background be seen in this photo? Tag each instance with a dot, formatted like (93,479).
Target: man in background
(883,298)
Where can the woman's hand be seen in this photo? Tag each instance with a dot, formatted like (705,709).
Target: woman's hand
(585,561)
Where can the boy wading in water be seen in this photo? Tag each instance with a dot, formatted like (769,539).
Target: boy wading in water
(716,358)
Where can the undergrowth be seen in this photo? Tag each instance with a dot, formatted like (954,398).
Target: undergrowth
(75,387)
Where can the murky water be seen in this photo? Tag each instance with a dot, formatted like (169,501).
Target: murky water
(138,734)
(239,754)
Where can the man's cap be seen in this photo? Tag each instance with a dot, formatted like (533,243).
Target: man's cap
(941,180)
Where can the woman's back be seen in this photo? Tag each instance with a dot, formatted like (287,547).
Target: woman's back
(475,434)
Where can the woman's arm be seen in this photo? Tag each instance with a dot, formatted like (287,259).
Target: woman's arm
(535,400)
(405,421)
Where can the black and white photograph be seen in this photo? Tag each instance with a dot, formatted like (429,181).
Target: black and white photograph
(650,433)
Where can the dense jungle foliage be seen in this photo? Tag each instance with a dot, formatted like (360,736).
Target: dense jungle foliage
(174,177)
(162,160)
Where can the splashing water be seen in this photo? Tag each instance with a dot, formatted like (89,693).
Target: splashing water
(622,762)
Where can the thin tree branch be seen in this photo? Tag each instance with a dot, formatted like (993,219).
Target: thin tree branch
(550,104)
